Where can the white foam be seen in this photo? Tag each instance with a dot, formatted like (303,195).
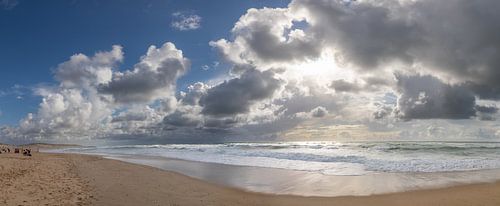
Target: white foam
(330,158)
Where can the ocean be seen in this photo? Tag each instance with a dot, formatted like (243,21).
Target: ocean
(319,168)
(328,158)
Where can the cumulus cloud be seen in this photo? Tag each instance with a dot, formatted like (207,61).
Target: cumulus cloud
(317,112)
(195,92)
(367,41)
(74,106)
(154,77)
(366,33)
(426,97)
(83,71)
(453,39)
(94,99)
(267,35)
(184,22)
(237,95)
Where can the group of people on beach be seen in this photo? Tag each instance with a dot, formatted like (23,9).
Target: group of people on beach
(24,151)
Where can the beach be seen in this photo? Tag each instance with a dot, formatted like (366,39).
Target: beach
(74,179)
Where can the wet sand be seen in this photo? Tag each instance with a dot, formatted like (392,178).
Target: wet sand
(70,179)
(305,183)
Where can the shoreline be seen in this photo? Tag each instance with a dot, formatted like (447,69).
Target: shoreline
(112,182)
(278,181)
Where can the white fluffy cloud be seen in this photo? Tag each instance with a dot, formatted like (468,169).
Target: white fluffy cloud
(94,99)
(74,108)
(154,77)
(266,36)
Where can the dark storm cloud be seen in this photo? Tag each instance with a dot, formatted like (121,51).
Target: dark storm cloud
(183,119)
(426,97)
(237,95)
(486,113)
(268,46)
(371,84)
(129,117)
(458,38)
(463,39)
(367,33)
(345,86)
(319,112)
(487,109)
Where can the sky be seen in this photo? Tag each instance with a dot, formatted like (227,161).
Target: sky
(197,71)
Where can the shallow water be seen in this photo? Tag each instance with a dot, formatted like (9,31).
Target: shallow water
(319,168)
(329,158)
(303,183)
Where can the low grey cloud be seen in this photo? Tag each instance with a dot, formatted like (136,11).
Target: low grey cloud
(457,39)
(237,95)
(486,112)
(184,118)
(129,117)
(341,85)
(426,97)
(366,33)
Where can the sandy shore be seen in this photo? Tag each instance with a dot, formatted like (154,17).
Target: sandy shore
(68,179)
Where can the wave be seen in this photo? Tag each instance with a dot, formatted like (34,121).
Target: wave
(326,157)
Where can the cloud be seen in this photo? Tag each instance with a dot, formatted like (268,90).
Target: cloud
(8,4)
(83,71)
(237,95)
(266,35)
(345,86)
(154,77)
(366,33)
(195,92)
(207,67)
(184,117)
(74,106)
(486,112)
(94,99)
(325,61)
(185,22)
(317,112)
(453,39)
(426,97)
(66,111)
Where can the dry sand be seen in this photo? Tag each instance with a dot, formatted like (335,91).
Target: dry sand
(68,179)
(41,180)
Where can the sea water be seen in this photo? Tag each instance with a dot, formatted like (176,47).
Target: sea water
(327,158)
